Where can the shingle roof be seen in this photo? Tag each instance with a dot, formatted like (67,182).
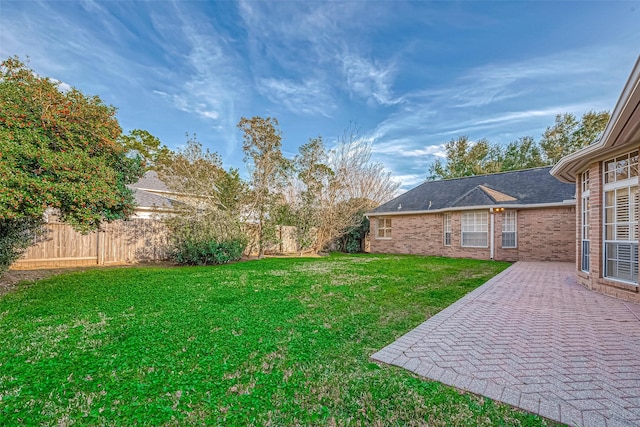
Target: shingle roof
(145,199)
(150,181)
(145,192)
(524,187)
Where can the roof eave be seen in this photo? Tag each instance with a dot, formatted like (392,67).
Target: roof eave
(569,202)
(570,166)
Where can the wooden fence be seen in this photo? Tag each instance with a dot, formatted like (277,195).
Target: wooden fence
(286,241)
(120,242)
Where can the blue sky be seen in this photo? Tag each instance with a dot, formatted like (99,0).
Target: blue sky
(412,75)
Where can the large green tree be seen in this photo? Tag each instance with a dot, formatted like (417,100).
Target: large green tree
(147,147)
(262,145)
(568,134)
(60,149)
(524,153)
(311,180)
(465,158)
(196,174)
(206,219)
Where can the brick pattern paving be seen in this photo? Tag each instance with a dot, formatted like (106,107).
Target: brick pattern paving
(533,338)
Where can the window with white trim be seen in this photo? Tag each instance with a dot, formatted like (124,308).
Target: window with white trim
(584,212)
(509,227)
(384,228)
(585,182)
(447,229)
(475,229)
(621,218)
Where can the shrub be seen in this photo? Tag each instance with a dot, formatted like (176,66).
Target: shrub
(207,252)
(205,237)
(16,235)
(351,242)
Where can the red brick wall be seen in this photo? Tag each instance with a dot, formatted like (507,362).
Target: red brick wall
(543,235)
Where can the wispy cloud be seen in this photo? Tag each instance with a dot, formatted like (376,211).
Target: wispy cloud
(309,97)
(405,150)
(369,80)
(408,181)
(212,80)
(495,83)
(413,74)
(311,51)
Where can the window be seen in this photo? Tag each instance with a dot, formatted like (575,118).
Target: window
(585,182)
(509,229)
(447,229)
(621,168)
(474,229)
(621,218)
(384,228)
(585,206)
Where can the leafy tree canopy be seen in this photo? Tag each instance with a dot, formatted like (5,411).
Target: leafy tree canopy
(269,169)
(197,171)
(60,149)
(568,134)
(147,147)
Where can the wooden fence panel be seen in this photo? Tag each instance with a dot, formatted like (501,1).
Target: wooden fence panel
(285,244)
(60,246)
(120,242)
(133,241)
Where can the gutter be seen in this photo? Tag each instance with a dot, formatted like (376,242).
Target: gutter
(569,202)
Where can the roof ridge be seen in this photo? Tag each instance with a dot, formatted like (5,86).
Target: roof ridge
(497,196)
(492,173)
(453,203)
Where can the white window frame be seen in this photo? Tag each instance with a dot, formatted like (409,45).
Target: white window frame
(510,229)
(620,218)
(585,259)
(473,225)
(384,228)
(447,229)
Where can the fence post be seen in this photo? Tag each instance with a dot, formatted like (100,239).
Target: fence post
(101,244)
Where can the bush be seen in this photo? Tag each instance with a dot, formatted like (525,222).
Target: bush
(16,235)
(205,237)
(207,252)
(352,240)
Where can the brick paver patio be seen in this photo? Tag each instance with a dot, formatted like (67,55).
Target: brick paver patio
(533,338)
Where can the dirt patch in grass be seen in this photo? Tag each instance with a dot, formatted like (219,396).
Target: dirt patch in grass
(12,279)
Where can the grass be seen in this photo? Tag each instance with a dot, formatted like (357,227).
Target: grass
(268,342)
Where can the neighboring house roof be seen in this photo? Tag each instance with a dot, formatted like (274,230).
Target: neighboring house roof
(145,199)
(517,188)
(151,193)
(150,181)
(622,131)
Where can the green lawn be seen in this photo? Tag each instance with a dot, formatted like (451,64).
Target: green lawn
(268,342)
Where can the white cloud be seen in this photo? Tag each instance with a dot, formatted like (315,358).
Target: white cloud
(405,150)
(309,97)
(369,80)
(62,86)
(212,81)
(409,180)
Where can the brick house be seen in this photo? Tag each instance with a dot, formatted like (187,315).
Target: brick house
(605,174)
(523,215)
